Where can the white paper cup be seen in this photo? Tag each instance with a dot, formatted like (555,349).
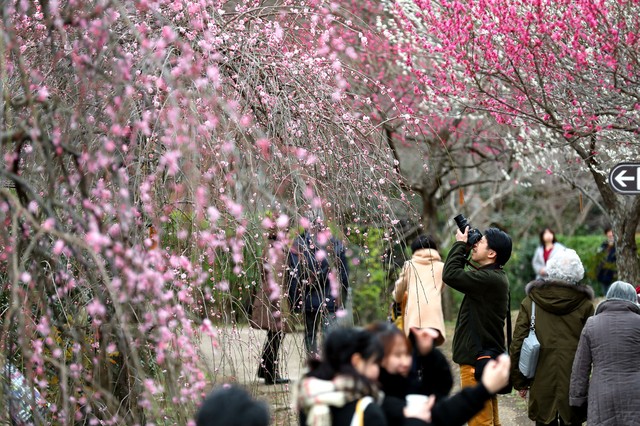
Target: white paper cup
(415,399)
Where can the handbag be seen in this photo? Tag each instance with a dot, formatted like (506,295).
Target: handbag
(398,311)
(530,349)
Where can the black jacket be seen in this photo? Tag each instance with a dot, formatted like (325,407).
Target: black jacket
(309,287)
(374,415)
(432,375)
(483,311)
(447,411)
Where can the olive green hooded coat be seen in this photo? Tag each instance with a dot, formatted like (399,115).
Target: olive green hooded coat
(562,309)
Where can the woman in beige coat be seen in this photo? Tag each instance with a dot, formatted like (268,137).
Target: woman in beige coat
(421,279)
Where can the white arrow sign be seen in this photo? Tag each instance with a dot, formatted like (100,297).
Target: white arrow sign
(624,178)
(621,178)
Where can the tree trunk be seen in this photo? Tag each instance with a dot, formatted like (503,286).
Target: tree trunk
(624,212)
(429,216)
(624,226)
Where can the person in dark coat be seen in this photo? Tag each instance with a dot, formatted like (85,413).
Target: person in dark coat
(606,271)
(484,308)
(563,306)
(606,369)
(343,384)
(313,288)
(267,308)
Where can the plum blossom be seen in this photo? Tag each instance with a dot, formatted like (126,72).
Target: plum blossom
(171,161)
(96,308)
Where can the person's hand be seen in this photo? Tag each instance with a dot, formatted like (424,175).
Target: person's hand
(543,271)
(496,373)
(420,411)
(424,339)
(462,236)
(523,393)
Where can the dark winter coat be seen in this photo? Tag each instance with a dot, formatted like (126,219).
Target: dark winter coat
(483,311)
(310,286)
(606,369)
(606,272)
(447,411)
(431,375)
(562,309)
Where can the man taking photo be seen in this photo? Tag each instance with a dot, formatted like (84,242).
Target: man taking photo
(484,308)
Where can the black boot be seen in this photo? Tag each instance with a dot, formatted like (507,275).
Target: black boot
(262,373)
(276,381)
(269,357)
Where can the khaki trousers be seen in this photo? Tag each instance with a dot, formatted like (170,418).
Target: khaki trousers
(488,416)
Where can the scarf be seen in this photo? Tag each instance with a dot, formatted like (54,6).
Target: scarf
(316,397)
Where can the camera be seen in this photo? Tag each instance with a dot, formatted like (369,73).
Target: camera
(474,235)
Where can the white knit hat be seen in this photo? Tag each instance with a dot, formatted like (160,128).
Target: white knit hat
(565,266)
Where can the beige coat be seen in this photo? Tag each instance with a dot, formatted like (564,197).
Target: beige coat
(421,278)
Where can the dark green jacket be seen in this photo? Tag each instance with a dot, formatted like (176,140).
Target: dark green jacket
(484,307)
(562,309)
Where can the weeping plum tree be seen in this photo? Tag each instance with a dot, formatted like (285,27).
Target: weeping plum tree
(120,118)
(564,73)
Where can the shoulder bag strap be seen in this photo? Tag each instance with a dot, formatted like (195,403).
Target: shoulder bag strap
(533,316)
(358,415)
(509,330)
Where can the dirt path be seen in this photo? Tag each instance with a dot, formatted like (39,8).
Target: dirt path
(236,360)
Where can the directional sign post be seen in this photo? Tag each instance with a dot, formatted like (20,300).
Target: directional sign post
(624,178)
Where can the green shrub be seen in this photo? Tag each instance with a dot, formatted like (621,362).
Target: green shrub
(368,274)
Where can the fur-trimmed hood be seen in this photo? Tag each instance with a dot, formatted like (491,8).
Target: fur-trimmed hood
(558,297)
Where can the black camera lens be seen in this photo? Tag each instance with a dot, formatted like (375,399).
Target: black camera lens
(473,236)
(462,222)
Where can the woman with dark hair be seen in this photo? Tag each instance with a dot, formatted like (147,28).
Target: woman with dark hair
(232,406)
(421,283)
(606,369)
(342,386)
(433,377)
(548,248)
